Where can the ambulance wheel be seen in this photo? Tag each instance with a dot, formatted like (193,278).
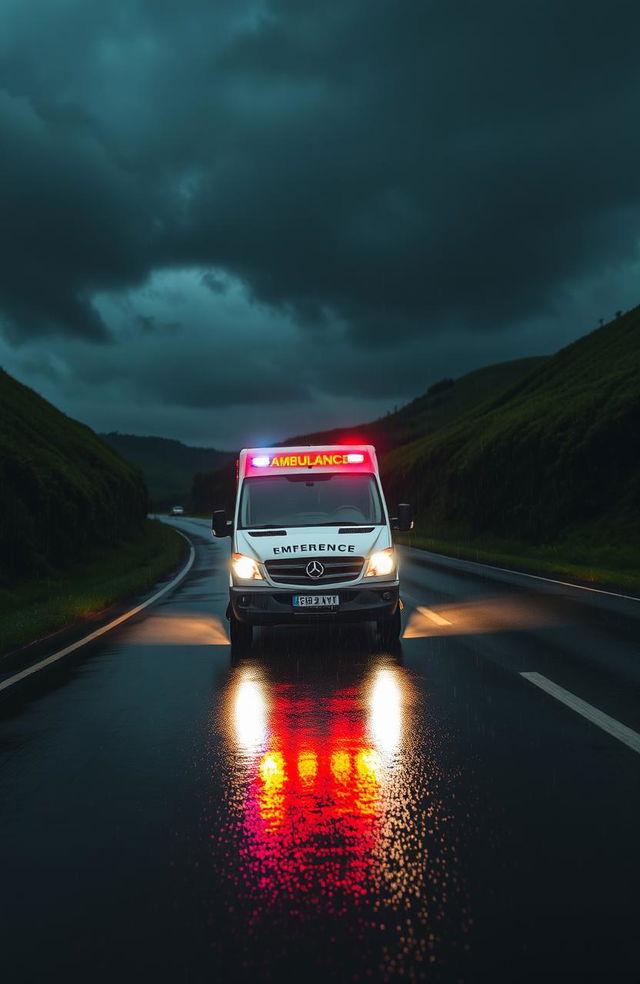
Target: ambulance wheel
(389,629)
(241,635)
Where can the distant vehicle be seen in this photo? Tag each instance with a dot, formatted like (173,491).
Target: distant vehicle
(176,511)
(311,541)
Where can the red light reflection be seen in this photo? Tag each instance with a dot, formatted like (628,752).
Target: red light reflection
(339,810)
(315,781)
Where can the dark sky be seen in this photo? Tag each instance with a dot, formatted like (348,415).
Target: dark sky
(228,221)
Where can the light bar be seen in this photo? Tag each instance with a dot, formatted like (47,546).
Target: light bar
(323,459)
(267,461)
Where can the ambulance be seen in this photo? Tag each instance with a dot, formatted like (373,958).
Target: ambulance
(311,541)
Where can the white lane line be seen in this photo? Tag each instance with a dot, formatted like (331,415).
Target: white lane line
(535,577)
(30,670)
(433,616)
(620,731)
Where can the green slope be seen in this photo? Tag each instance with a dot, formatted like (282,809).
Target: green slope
(62,491)
(550,463)
(168,466)
(442,403)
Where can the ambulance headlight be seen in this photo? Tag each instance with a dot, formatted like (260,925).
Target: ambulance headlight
(245,568)
(381,563)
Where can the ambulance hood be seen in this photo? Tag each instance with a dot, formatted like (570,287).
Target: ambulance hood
(312,541)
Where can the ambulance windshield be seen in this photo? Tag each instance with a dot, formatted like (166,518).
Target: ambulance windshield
(310,500)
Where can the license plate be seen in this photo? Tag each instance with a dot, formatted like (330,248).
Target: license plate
(316,601)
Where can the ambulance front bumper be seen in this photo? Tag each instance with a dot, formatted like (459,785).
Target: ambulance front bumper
(271,606)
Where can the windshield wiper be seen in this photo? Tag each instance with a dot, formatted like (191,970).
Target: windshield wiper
(341,523)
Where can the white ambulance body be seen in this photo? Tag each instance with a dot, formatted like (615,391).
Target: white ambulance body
(311,541)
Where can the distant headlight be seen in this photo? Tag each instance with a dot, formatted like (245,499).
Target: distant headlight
(381,563)
(245,568)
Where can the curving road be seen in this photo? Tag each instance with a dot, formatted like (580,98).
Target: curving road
(465,810)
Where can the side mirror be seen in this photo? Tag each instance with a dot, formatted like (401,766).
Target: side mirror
(219,524)
(403,522)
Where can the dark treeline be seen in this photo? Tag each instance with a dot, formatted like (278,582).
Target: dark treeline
(62,491)
(215,490)
(168,466)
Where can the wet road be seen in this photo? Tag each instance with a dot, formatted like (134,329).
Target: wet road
(325,810)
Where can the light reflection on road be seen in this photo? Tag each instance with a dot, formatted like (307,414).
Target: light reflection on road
(250,712)
(484,616)
(338,805)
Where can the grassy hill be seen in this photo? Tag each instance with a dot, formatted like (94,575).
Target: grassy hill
(551,463)
(62,490)
(443,402)
(168,466)
(535,461)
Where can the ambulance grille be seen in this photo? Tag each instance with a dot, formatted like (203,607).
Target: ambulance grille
(293,570)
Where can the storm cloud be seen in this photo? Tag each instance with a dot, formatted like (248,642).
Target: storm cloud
(385,180)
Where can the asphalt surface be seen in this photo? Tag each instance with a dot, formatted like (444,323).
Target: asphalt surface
(325,810)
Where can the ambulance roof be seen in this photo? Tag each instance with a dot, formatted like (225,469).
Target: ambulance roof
(305,458)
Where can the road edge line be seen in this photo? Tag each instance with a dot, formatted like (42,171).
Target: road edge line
(536,577)
(55,657)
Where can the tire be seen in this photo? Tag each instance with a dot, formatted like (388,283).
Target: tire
(241,634)
(389,629)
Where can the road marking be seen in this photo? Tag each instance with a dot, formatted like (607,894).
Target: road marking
(433,616)
(535,577)
(610,725)
(30,670)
